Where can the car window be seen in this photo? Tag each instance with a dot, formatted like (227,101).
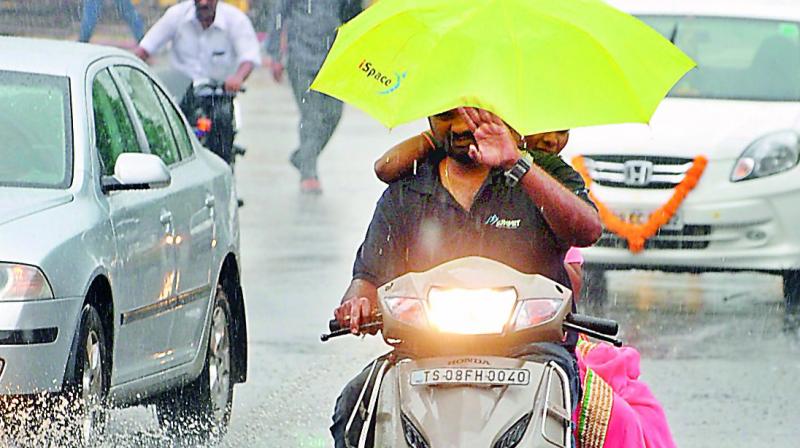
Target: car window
(35,130)
(113,130)
(148,108)
(739,59)
(177,124)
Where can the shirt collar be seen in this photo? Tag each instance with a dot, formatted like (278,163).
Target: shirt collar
(427,177)
(218,23)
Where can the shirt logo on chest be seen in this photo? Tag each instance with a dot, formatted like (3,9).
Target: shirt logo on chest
(500,223)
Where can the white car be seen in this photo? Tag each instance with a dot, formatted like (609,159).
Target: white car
(740,109)
(119,244)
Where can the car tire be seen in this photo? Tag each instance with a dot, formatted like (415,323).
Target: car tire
(594,290)
(86,395)
(200,411)
(791,289)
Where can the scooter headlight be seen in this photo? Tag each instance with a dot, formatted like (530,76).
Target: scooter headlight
(470,311)
(533,312)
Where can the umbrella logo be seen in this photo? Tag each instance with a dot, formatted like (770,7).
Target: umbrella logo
(385,80)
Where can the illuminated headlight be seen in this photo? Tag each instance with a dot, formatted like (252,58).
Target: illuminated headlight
(771,154)
(23,282)
(470,311)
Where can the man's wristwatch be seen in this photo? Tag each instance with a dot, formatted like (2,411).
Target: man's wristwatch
(519,169)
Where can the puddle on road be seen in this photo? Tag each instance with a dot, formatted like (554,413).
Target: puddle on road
(691,316)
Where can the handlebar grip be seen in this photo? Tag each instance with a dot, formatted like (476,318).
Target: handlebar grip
(604,326)
(333,326)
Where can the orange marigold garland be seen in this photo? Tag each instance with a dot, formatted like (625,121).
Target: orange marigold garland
(637,234)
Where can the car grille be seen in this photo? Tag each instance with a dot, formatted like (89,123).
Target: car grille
(610,170)
(689,237)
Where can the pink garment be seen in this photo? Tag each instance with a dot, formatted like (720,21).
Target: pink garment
(637,418)
(573,256)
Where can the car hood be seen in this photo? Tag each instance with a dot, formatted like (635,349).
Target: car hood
(16,203)
(682,127)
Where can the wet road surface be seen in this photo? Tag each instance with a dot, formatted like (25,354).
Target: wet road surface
(712,345)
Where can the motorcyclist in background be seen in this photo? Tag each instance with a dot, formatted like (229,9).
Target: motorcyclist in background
(210,41)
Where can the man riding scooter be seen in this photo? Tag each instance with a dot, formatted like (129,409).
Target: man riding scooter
(211,42)
(482,197)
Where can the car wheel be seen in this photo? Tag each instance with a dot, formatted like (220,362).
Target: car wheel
(594,289)
(201,410)
(87,394)
(791,293)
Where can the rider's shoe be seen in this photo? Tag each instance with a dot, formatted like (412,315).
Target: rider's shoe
(310,186)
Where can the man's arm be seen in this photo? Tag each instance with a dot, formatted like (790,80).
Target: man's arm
(358,304)
(573,221)
(278,16)
(248,53)
(377,262)
(159,34)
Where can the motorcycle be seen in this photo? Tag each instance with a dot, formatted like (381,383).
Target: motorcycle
(452,379)
(215,118)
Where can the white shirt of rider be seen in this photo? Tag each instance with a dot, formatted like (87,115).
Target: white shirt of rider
(215,52)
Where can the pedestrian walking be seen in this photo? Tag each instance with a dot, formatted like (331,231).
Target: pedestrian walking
(92,9)
(310,28)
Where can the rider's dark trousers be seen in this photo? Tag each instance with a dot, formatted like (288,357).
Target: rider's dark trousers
(319,116)
(541,353)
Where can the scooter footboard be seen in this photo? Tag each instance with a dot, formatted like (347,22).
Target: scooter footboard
(479,401)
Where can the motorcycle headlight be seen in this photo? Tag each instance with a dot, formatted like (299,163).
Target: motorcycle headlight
(533,312)
(470,311)
(771,154)
(23,282)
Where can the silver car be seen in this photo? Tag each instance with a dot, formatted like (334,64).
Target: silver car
(119,243)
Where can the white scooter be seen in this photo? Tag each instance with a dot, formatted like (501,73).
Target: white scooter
(452,380)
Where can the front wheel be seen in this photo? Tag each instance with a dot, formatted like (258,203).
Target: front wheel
(87,394)
(201,410)
(791,294)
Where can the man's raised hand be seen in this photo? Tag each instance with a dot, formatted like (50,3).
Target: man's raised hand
(495,143)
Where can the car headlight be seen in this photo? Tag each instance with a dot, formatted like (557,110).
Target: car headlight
(23,282)
(771,154)
(470,311)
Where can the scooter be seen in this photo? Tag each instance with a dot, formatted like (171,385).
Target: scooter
(216,119)
(452,380)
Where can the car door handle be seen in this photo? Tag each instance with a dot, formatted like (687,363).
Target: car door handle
(210,201)
(166,217)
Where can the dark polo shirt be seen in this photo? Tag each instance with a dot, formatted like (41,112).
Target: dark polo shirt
(418,225)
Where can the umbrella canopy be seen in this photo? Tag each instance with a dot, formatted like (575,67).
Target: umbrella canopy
(541,65)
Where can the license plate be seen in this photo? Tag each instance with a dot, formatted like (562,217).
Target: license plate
(638,217)
(471,375)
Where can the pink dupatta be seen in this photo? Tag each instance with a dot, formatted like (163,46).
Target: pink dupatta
(617,409)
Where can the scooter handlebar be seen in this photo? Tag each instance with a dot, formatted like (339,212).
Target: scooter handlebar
(603,326)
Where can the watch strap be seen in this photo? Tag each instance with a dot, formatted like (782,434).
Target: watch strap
(520,168)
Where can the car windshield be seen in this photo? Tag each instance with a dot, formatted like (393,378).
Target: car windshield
(737,59)
(35,130)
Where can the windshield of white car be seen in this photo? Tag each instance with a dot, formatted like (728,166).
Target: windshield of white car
(737,58)
(35,131)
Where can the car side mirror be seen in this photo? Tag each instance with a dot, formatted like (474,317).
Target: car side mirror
(137,171)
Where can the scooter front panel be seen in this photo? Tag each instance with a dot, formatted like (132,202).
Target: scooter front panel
(469,413)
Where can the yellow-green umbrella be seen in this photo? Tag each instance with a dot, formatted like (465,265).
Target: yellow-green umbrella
(541,65)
